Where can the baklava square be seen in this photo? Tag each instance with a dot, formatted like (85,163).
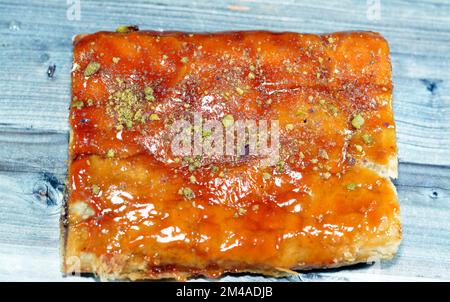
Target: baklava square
(208,153)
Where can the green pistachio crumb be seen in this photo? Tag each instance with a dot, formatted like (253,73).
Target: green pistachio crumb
(184,60)
(358,121)
(266,176)
(90,102)
(280,166)
(126,28)
(207,133)
(323,153)
(154,117)
(192,179)
(95,189)
(242,211)
(148,92)
(91,69)
(129,124)
(289,127)
(367,138)
(300,112)
(78,104)
(110,153)
(251,75)
(302,155)
(351,186)
(228,120)
(215,169)
(187,193)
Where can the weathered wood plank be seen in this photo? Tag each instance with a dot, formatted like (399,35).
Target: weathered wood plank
(31,150)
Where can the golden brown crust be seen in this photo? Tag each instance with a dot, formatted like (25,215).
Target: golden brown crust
(327,202)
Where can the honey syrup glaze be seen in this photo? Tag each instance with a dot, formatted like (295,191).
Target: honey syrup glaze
(134,206)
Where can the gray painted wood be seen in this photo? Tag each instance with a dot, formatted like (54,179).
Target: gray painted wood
(34,111)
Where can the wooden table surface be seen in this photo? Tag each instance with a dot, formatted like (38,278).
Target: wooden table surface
(34,114)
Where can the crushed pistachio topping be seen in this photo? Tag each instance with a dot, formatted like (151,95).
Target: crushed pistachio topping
(359,148)
(300,112)
(207,133)
(187,193)
(148,92)
(154,117)
(184,60)
(126,28)
(358,121)
(192,179)
(323,153)
(367,138)
(302,155)
(126,106)
(351,186)
(251,75)
(77,104)
(289,127)
(95,189)
(266,176)
(110,153)
(90,102)
(240,212)
(228,120)
(91,69)
(280,166)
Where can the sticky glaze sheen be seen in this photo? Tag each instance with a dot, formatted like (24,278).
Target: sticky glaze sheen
(320,206)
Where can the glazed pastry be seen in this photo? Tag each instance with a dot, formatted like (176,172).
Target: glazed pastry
(322,197)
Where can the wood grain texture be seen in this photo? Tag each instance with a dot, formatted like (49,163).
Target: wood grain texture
(34,112)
